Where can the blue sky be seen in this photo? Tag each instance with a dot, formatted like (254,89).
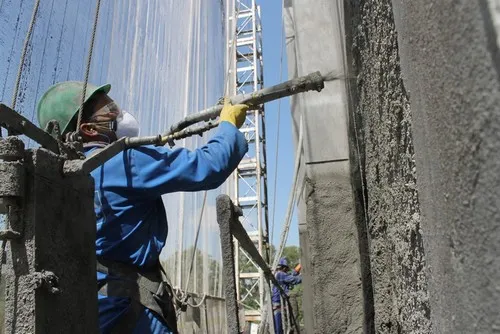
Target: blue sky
(271,12)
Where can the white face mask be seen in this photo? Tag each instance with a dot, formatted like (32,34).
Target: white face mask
(126,125)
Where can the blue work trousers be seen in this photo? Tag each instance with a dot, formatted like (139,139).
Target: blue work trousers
(278,324)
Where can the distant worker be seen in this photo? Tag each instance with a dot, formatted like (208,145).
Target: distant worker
(131,219)
(287,282)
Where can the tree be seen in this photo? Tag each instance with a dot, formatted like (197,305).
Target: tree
(292,254)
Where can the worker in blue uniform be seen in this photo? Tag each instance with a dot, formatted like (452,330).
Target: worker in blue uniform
(287,281)
(131,219)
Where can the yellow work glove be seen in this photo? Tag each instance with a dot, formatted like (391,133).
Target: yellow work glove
(233,114)
(298,268)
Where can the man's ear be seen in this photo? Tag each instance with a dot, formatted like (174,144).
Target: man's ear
(88,130)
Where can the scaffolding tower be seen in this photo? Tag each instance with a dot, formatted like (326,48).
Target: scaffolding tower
(245,69)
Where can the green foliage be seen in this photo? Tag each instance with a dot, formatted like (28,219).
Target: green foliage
(292,254)
(298,291)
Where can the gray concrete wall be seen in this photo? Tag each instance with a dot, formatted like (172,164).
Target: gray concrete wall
(421,153)
(333,263)
(451,65)
(58,239)
(382,131)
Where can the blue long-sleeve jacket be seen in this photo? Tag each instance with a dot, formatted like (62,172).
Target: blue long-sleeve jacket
(287,282)
(131,219)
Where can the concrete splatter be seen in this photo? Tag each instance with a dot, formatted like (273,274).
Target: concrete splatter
(383,112)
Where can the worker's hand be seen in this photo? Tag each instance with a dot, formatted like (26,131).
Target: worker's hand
(298,268)
(233,114)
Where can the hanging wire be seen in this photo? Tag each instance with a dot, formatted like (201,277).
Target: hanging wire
(183,292)
(182,297)
(16,92)
(268,303)
(277,132)
(24,52)
(364,195)
(291,199)
(290,209)
(196,240)
(89,62)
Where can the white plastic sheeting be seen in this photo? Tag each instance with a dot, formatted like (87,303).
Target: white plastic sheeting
(164,59)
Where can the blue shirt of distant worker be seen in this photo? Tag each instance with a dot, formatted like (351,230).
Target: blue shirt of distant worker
(131,219)
(287,282)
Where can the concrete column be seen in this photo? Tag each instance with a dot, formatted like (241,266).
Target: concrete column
(333,269)
(225,214)
(50,272)
(451,64)
(382,140)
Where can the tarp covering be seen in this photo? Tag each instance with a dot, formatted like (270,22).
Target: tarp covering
(164,60)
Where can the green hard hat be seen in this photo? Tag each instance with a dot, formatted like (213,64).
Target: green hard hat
(62,101)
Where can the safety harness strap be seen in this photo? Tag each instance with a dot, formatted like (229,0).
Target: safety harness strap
(143,288)
(128,321)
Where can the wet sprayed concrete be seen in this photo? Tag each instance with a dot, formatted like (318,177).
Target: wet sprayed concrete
(381,127)
(360,216)
(337,296)
(424,142)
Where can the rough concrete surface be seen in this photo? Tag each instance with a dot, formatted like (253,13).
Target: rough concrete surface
(426,177)
(225,214)
(333,262)
(382,124)
(451,65)
(334,258)
(57,239)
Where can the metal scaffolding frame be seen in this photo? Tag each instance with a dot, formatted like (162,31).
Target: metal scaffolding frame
(245,69)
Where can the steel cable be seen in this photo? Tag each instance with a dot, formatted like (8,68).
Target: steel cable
(277,133)
(89,62)
(24,52)
(23,57)
(196,240)
(16,91)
